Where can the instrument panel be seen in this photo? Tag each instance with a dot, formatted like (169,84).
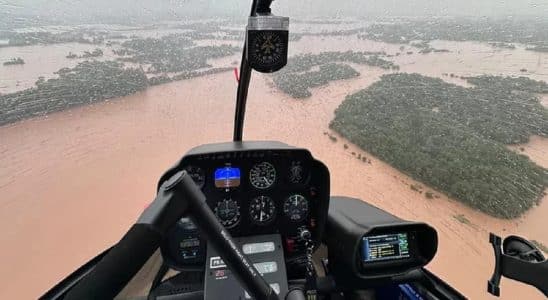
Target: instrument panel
(259,192)
(257,188)
(244,189)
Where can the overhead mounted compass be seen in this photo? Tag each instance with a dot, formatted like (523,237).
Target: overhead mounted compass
(267,49)
(267,41)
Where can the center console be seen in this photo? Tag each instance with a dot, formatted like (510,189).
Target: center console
(267,255)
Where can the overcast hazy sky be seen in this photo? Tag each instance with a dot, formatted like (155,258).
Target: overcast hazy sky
(145,8)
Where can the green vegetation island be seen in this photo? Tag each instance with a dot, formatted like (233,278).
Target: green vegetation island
(502,45)
(538,48)
(498,32)
(171,53)
(87,54)
(14,61)
(298,77)
(82,36)
(454,138)
(153,61)
(86,83)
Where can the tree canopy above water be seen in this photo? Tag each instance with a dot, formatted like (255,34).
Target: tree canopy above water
(298,76)
(86,83)
(452,138)
(171,53)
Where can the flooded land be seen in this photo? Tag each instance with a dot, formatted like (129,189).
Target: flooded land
(74,177)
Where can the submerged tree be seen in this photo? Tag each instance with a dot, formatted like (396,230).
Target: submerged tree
(14,61)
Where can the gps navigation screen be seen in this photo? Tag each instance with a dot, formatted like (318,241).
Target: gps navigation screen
(385,247)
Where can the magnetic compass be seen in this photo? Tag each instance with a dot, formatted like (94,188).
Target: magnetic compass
(267,41)
(267,48)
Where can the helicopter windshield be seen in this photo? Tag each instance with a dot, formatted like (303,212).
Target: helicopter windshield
(435,111)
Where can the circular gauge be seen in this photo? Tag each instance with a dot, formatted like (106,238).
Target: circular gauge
(262,175)
(228,212)
(296,172)
(262,210)
(267,48)
(183,246)
(296,208)
(197,174)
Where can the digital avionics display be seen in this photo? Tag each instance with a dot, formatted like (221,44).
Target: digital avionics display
(385,247)
(227,177)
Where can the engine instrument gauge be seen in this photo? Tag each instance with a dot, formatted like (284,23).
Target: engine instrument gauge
(296,172)
(228,212)
(262,175)
(296,208)
(197,174)
(262,210)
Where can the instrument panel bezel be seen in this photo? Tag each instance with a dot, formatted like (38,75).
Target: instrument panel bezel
(315,187)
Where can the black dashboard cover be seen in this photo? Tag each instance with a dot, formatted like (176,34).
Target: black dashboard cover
(351,219)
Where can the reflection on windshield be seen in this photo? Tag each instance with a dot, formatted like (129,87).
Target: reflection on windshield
(438,119)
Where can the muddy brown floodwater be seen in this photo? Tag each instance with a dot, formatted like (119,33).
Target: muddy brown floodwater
(74,181)
(40,60)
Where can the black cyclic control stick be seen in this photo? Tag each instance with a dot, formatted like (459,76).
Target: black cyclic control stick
(177,197)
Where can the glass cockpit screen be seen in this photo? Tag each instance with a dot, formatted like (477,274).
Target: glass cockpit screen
(385,247)
(227,177)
